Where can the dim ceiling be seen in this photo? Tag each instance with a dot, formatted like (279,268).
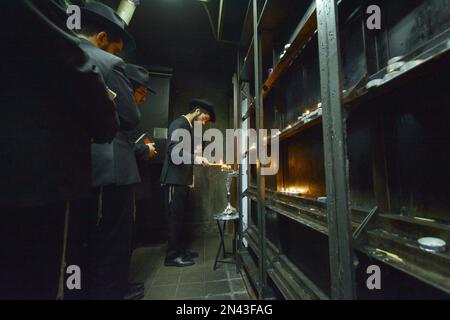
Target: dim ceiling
(178,33)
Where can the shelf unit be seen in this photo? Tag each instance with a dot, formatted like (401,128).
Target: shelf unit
(368,138)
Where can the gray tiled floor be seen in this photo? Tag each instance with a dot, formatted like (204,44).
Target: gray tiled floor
(198,282)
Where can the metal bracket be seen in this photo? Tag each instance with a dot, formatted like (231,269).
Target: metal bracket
(364,224)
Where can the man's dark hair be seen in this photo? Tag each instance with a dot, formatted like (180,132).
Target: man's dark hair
(92,28)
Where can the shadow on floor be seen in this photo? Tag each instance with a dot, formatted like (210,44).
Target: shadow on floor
(198,282)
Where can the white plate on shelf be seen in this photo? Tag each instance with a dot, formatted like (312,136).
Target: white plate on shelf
(374,83)
(410,65)
(431,244)
(395,60)
(395,66)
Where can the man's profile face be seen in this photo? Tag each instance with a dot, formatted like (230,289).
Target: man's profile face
(204,118)
(105,44)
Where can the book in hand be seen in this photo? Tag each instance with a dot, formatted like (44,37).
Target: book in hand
(144,150)
(143,139)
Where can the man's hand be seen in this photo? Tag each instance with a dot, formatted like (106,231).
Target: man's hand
(205,162)
(152,150)
(201,160)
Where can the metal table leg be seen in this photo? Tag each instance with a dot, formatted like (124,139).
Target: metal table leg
(221,244)
(235,251)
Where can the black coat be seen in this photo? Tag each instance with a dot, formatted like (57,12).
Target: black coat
(52,104)
(115,163)
(182,174)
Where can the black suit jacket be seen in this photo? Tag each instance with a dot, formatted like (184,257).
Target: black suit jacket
(52,104)
(115,163)
(182,174)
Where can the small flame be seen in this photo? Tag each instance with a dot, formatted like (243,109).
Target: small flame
(295,190)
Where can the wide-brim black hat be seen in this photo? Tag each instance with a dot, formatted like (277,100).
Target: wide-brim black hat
(205,105)
(140,75)
(96,11)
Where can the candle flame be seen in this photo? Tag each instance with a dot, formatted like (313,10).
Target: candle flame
(295,190)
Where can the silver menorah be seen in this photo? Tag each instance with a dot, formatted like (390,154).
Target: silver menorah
(230,174)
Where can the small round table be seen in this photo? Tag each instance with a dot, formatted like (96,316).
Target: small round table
(223,218)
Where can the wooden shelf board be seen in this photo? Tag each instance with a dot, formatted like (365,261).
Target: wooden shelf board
(427,68)
(306,29)
(407,261)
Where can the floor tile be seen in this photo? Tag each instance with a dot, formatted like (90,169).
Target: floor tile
(162,280)
(220,297)
(194,290)
(192,277)
(241,296)
(237,285)
(197,282)
(216,275)
(161,292)
(233,273)
(218,287)
(169,271)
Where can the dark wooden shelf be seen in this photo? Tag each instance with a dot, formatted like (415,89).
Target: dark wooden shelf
(298,285)
(250,267)
(291,282)
(306,211)
(393,235)
(427,68)
(403,253)
(298,127)
(305,30)
(388,238)
(252,239)
(440,229)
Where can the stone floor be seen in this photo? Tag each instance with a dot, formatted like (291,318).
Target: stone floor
(198,282)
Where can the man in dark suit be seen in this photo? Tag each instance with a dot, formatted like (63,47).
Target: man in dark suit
(178,178)
(140,80)
(53,103)
(115,169)
(144,150)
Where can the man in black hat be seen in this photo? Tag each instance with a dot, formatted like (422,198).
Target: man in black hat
(178,178)
(115,170)
(140,80)
(46,131)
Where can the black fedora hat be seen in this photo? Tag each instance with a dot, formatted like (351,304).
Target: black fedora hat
(205,105)
(140,75)
(99,12)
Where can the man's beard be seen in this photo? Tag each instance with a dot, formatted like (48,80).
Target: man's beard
(197,119)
